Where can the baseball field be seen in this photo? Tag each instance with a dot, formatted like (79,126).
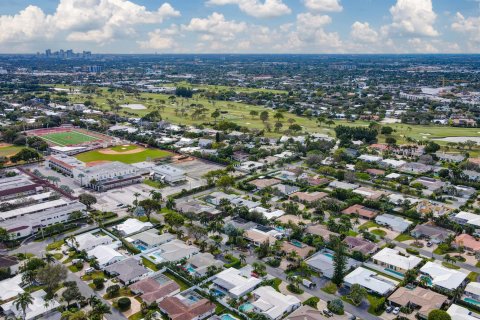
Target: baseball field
(125,153)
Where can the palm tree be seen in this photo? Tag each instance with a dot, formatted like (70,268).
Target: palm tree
(136,195)
(72,240)
(23,300)
(243,258)
(100,309)
(81,176)
(49,258)
(93,300)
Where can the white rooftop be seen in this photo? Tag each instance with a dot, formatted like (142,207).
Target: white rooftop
(236,281)
(457,312)
(393,257)
(10,288)
(130,226)
(443,277)
(371,281)
(272,303)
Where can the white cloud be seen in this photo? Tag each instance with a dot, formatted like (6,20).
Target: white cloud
(470,26)
(30,23)
(323,5)
(216,27)
(257,8)
(422,46)
(414,17)
(362,32)
(82,20)
(160,40)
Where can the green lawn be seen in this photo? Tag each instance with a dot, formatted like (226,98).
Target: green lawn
(472,276)
(379,232)
(9,151)
(68,138)
(450,265)
(367,225)
(239,113)
(95,155)
(148,264)
(183,285)
(403,237)
(154,183)
(57,245)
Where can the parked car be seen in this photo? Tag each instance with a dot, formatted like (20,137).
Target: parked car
(396,310)
(89,270)
(389,309)
(327,313)
(429,244)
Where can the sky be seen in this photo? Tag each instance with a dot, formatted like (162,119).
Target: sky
(241,26)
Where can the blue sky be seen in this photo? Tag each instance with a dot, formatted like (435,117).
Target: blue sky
(243,26)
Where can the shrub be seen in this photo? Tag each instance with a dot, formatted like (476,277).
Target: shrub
(79,265)
(113,291)
(330,288)
(412,251)
(312,302)
(336,306)
(99,283)
(273,262)
(294,289)
(124,303)
(439,315)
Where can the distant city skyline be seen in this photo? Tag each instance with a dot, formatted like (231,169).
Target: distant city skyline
(241,26)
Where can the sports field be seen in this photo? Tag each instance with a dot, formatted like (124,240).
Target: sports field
(8,150)
(68,138)
(126,154)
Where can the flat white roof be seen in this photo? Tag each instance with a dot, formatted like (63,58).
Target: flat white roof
(371,281)
(10,288)
(130,226)
(235,282)
(460,313)
(34,208)
(444,277)
(273,303)
(393,257)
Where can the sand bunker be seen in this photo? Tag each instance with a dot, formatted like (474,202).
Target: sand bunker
(110,151)
(134,106)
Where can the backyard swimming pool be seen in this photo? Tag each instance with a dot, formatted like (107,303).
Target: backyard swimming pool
(246,307)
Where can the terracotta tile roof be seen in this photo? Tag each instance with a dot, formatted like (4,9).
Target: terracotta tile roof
(177,310)
(361,211)
(153,291)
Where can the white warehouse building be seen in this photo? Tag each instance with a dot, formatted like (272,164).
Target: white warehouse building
(168,173)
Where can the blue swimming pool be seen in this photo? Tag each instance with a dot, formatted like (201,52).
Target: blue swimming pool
(328,255)
(217,293)
(190,269)
(246,307)
(472,301)
(396,273)
(140,247)
(226,316)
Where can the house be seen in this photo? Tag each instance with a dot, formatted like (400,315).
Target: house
(375,172)
(467,218)
(321,230)
(415,168)
(301,249)
(187,306)
(149,239)
(205,143)
(442,278)
(360,245)
(268,213)
(343,185)
(105,255)
(392,163)
(285,189)
(38,309)
(273,304)
(250,166)
(457,312)
(393,263)
(169,174)
(425,207)
(309,197)
(361,211)
(450,157)
(306,313)
(88,241)
(199,264)
(420,299)
(369,193)
(467,242)
(11,287)
(472,291)
(236,282)
(396,223)
(216,197)
(430,184)
(399,199)
(433,233)
(463,191)
(264,183)
(131,226)
(471,175)
(155,289)
(322,261)
(9,262)
(257,236)
(172,251)
(127,271)
(371,281)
